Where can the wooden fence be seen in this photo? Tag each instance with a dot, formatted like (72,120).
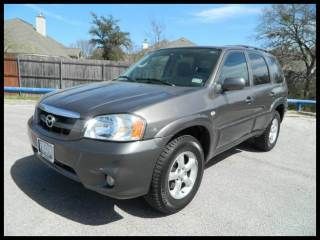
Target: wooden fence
(55,72)
(11,77)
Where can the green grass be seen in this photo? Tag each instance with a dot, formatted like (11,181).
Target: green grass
(306,108)
(22,97)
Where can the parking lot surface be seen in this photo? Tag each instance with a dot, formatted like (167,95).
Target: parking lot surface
(243,191)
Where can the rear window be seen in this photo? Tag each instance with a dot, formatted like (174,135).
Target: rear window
(275,69)
(259,69)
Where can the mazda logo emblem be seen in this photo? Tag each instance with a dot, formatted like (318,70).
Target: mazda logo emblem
(50,120)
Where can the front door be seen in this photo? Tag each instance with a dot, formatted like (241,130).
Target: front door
(235,109)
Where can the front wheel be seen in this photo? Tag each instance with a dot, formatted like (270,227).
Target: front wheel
(177,175)
(269,138)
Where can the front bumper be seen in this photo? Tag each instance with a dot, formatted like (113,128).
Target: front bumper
(90,161)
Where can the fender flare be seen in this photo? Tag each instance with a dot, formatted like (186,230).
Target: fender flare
(278,102)
(191,121)
(182,123)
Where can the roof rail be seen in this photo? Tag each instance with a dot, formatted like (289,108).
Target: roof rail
(250,47)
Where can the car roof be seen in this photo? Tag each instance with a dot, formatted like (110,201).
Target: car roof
(226,47)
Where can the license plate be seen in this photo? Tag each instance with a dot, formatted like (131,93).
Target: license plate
(46,150)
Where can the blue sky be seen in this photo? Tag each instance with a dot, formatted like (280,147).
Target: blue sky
(204,24)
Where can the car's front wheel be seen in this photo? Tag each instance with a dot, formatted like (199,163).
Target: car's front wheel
(177,175)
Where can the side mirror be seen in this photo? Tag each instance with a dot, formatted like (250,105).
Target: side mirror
(230,84)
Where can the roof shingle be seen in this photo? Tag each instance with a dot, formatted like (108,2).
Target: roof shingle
(21,37)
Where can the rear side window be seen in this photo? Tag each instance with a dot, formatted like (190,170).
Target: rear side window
(259,67)
(275,69)
(235,66)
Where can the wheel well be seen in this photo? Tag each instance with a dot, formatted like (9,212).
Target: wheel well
(280,110)
(200,133)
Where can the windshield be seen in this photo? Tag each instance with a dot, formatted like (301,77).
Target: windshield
(189,67)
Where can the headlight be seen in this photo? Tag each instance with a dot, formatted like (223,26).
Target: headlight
(115,127)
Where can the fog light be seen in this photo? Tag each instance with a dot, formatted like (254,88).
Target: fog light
(110,181)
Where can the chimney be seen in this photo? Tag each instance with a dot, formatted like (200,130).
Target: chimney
(41,25)
(145,44)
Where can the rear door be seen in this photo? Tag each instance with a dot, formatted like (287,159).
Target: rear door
(262,89)
(280,88)
(234,109)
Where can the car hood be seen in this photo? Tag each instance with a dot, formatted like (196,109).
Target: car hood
(111,97)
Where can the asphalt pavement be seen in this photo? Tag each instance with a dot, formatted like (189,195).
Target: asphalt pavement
(243,191)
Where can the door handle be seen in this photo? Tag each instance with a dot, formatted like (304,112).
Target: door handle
(249,100)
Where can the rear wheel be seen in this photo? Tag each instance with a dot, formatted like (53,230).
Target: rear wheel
(177,175)
(269,138)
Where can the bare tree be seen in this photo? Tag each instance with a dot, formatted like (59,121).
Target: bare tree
(290,29)
(156,32)
(134,53)
(85,46)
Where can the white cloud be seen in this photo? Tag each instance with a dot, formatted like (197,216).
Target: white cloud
(226,12)
(53,15)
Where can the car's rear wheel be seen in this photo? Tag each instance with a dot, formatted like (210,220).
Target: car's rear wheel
(269,138)
(177,175)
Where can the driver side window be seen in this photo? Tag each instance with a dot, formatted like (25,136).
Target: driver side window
(235,66)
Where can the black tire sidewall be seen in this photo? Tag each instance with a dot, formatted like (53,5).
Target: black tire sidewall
(188,144)
(277,116)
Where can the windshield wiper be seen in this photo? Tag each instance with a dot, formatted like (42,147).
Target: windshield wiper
(127,78)
(155,80)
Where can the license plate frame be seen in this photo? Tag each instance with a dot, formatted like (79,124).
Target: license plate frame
(46,150)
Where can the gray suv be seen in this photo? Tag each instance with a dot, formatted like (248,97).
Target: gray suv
(151,131)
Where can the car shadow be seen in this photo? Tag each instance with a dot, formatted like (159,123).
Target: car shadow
(71,200)
(245,146)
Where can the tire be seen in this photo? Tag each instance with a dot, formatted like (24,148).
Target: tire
(263,142)
(163,197)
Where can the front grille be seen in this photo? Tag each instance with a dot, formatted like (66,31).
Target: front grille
(54,129)
(62,125)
